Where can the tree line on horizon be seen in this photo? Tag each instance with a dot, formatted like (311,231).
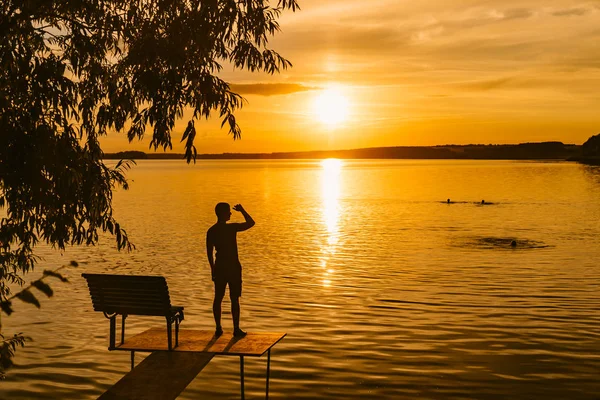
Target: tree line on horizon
(541,150)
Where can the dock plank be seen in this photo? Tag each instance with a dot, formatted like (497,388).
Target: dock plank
(163,375)
(191,340)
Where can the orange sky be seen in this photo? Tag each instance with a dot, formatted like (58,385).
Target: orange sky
(419,73)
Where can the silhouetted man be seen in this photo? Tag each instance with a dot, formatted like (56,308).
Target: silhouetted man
(226,269)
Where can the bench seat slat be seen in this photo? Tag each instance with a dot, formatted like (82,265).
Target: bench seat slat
(110,293)
(136,278)
(129,282)
(133,308)
(112,287)
(125,281)
(128,300)
(133,311)
(162,311)
(112,306)
(159,297)
(162,293)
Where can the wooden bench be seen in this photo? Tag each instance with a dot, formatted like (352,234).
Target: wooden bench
(133,295)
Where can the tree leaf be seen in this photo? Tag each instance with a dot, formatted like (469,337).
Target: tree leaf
(43,287)
(28,297)
(6,306)
(55,274)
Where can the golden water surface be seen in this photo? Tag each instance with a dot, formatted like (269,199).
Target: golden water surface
(384,289)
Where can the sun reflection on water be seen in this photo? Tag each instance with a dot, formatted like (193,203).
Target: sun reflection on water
(330,190)
(331,193)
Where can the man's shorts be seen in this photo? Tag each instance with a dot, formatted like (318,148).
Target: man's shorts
(235,285)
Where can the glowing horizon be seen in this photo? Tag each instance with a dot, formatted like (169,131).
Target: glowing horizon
(417,74)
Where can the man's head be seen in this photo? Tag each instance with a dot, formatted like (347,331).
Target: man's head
(223,211)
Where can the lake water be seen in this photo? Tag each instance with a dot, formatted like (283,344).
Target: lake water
(384,290)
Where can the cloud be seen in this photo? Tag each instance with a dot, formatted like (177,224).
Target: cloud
(342,37)
(485,85)
(525,81)
(269,89)
(391,42)
(518,13)
(571,12)
(468,22)
(580,62)
(550,82)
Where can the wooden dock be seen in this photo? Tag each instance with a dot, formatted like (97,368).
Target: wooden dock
(165,374)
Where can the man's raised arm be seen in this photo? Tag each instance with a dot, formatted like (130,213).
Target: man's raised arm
(249,221)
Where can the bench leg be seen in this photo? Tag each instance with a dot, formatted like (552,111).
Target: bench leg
(132,359)
(176,331)
(123,328)
(169,340)
(112,334)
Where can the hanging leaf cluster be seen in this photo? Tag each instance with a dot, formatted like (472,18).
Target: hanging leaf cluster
(7,351)
(9,346)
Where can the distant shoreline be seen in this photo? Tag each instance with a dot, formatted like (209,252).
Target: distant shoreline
(523,151)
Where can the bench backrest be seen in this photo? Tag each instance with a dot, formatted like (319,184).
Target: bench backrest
(129,294)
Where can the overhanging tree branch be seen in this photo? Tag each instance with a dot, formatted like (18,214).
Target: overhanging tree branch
(73,71)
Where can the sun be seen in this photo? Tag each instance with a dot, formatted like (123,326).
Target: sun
(331,107)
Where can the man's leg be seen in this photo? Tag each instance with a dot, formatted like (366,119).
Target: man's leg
(235,291)
(219,294)
(235,313)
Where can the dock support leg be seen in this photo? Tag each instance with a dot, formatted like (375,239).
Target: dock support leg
(132,359)
(268,372)
(242,376)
